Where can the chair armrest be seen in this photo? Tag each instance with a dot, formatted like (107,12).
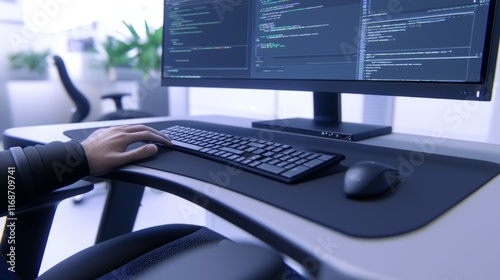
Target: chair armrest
(117,98)
(57,196)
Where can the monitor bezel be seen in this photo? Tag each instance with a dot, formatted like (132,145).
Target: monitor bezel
(419,89)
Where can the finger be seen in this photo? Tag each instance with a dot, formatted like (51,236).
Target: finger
(142,152)
(139,128)
(146,136)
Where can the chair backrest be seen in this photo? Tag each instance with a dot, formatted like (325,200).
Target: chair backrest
(81,102)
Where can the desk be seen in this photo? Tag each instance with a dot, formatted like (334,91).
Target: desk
(464,243)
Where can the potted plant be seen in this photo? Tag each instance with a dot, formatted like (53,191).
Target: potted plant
(118,59)
(29,65)
(148,57)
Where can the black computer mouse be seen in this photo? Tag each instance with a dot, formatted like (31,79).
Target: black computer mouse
(369,179)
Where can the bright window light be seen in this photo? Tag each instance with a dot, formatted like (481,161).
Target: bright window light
(51,16)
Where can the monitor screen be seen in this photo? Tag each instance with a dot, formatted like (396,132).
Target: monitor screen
(426,48)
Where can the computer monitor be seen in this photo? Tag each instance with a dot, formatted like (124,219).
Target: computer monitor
(426,48)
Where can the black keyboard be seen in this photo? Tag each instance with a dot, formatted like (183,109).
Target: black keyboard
(274,160)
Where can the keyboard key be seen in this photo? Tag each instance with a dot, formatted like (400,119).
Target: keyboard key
(313,163)
(271,168)
(295,171)
(232,150)
(186,145)
(257,145)
(255,163)
(325,157)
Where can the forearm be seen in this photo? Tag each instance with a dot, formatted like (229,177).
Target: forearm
(36,171)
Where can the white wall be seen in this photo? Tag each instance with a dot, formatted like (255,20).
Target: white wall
(232,102)
(263,104)
(455,119)
(494,128)
(178,101)
(10,18)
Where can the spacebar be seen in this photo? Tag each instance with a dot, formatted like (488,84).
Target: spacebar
(186,145)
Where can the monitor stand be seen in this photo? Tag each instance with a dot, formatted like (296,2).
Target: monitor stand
(327,122)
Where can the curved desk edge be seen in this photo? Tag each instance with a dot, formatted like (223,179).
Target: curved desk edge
(343,256)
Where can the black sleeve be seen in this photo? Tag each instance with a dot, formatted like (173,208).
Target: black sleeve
(31,172)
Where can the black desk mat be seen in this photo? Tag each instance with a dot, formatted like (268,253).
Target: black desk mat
(431,185)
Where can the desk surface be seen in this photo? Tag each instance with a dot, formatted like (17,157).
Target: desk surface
(461,244)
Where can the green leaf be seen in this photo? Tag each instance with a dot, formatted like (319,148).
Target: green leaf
(117,53)
(148,58)
(30,60)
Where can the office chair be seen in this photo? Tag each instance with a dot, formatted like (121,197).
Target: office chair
(82,104)
(176,251)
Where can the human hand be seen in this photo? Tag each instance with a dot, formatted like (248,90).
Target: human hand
(106,147)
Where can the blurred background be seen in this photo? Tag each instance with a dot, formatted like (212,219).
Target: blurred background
(90,37)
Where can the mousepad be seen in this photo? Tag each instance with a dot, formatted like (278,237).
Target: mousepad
(430,184)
